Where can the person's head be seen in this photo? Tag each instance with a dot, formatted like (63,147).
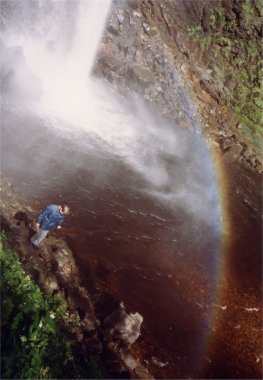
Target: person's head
(64,209)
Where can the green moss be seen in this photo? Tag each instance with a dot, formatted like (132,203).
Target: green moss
(259,6)
(217,20)
(251,125)
(195,30)
(247,11)
(228,74)
(238,60)
(206,41)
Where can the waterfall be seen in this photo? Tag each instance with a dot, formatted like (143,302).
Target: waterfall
(91,21)
(59,40)
(66,30)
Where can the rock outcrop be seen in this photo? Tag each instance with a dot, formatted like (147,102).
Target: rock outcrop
(161,48)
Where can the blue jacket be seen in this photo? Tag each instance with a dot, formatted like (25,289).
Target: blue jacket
(50,217)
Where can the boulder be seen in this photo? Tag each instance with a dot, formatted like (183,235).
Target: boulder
(227,143)
(258,160)
(51,283)
(110,62)
(120,16)
(121,327)
(259,168)
(112,29)
(142,373)
(141,75)
(247,152)
(234,151)
(146,28)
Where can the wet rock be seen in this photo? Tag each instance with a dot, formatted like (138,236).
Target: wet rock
(227,143)
(212,111)
(142,75)
(110,62)
(247,152)
(142,373)
(122,328)
(128,359)
(122,45)
(185,67)
(234,151)
(134,367)
(253,160)
(51,283)
(259,168)
(138,56)
(64,252)
(185,122)
(113,30)
(137,14)
(131,21)
(213,90)
(146,28)
(154,91)
(120,16)
(258,160)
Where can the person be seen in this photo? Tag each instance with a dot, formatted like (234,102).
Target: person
(51,216)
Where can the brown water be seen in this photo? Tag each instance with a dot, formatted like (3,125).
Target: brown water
(130,247)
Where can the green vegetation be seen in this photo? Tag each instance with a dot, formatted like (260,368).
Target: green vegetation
(237,60)
(35,329)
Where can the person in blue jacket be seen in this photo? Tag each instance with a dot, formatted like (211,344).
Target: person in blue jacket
(51,216)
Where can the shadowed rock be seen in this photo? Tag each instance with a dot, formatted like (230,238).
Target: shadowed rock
(122,328)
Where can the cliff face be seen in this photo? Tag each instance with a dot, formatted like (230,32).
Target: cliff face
(211,48)
(228,35)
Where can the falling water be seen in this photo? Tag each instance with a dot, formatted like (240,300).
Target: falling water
(59,41)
